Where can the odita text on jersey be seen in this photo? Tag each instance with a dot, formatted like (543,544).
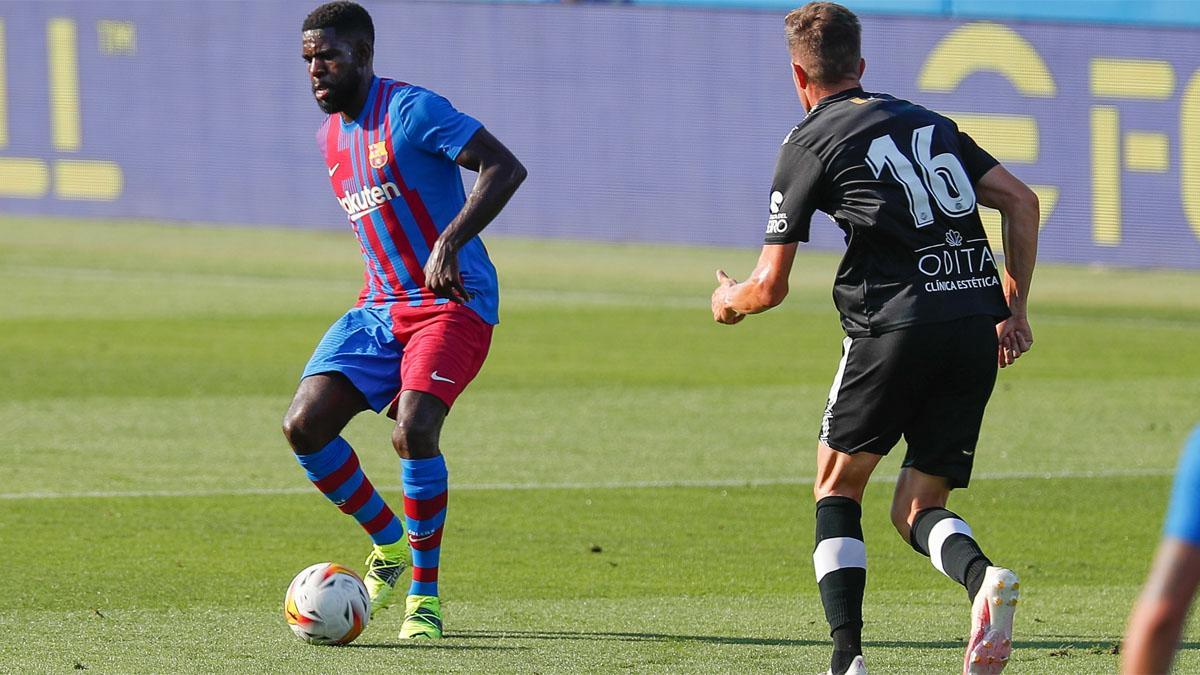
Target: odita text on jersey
(957,261)
(961,284)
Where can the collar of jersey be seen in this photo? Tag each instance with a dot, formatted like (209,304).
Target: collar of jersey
(362,114)
(840,96)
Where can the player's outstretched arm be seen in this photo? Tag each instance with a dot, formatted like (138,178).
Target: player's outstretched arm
(1162,608)
(500,174)
(766,287)
(1019,214)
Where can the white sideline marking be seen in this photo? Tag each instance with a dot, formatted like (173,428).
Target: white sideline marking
(613,485)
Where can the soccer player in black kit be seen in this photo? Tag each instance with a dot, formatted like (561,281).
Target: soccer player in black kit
(928,319)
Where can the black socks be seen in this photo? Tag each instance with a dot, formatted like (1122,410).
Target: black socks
(947,540)
(840,561)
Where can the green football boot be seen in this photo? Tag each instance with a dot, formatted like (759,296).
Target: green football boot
(422,618)
(384,568)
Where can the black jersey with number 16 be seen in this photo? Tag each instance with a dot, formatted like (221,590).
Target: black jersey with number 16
(899,180)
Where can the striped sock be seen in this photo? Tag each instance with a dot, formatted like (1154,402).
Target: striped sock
(840,561)
(425,482)
(951,547)
(335,471)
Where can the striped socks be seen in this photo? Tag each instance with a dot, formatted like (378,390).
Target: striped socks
(948,541)
(840,561)
(335,471)
(425,482)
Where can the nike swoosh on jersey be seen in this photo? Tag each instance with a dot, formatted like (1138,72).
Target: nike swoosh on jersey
(333,169)
(438,378)
(359,215)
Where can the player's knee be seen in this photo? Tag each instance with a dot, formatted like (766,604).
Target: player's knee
(416,437)
(302,432)
(838,488)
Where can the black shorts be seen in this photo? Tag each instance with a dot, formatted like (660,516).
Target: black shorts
(928,383)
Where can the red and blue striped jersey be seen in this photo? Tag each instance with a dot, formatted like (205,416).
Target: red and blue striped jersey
(393,172)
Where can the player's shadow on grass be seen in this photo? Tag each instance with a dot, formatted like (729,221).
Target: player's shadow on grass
(1081,643)
(430,644)
(629,637)
(667,637)
(1076,643)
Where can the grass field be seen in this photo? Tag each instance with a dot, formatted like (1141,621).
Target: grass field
(630,482)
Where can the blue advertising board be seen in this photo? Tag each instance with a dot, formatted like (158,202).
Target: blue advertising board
(636,123)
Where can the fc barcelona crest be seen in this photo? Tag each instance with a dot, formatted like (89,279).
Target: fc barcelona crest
(377,154)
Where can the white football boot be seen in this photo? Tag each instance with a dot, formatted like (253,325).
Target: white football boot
(857,667)
(992,622)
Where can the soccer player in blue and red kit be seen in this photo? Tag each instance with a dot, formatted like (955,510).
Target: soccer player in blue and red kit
(423,322)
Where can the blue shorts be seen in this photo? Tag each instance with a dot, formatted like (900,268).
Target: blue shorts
(434,348)
(1183,515)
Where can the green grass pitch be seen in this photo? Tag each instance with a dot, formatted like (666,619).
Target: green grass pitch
(629,481)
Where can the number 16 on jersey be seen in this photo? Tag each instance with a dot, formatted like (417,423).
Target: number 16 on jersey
(942,175)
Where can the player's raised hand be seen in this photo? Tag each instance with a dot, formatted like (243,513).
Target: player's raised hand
(722,312)
(442,275)
(1015,337)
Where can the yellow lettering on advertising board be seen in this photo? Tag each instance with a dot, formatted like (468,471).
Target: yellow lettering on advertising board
(83,179)
(1189,152)
(64,84)
(986,46)
(73,178)
(1132,78)
(23,177)
(1145,151)
(1106,177)
(117,38)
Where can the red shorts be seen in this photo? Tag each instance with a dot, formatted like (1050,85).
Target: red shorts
(444,348)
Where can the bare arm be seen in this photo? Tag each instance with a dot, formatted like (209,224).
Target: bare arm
(1019,214)
(500,174)
(1158,616)
(766,287)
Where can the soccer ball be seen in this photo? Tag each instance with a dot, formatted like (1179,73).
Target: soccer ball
(327,604)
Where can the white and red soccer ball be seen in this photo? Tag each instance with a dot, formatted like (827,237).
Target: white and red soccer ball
(327,604)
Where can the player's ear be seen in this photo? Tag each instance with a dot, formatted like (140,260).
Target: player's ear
(800,76)
(862,67)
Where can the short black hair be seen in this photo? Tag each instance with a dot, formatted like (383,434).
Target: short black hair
(344,17)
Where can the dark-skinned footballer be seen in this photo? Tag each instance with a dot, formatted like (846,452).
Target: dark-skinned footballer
(422,325)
